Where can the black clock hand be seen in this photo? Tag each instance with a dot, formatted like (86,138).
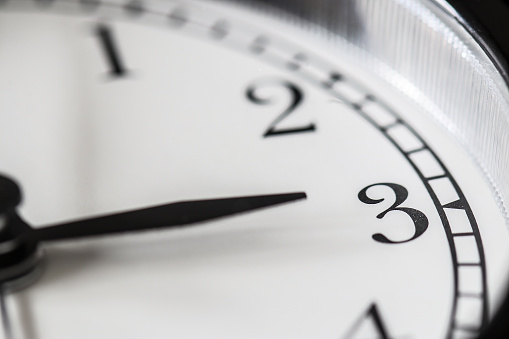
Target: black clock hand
(164,216)
(19,242)
(172,215)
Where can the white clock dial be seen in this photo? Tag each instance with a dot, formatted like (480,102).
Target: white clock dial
(118,106)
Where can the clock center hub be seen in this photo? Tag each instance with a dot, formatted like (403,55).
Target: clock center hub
(19,253)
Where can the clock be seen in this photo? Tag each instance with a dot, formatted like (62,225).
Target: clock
(253,169)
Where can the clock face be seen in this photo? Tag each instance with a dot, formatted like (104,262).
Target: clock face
(110,107)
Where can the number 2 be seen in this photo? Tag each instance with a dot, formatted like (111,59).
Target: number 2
(296,99)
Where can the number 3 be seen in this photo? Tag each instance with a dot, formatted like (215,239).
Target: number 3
(419,219)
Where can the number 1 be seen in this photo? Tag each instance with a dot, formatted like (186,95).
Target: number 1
(111,52)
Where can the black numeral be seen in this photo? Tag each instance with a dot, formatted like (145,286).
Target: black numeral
(110,49)
(296,97)
(401,194)
(377,328)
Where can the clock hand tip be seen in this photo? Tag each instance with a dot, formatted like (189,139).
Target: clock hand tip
(297,195)
(287,197)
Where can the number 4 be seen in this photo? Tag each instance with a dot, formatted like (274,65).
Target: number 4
(369,325)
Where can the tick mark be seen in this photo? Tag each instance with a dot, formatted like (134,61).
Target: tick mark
(333,78)
(297,61)
(44,2)
(90,4)
(134,8)
(178,18)
(259,44)
(220,29)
